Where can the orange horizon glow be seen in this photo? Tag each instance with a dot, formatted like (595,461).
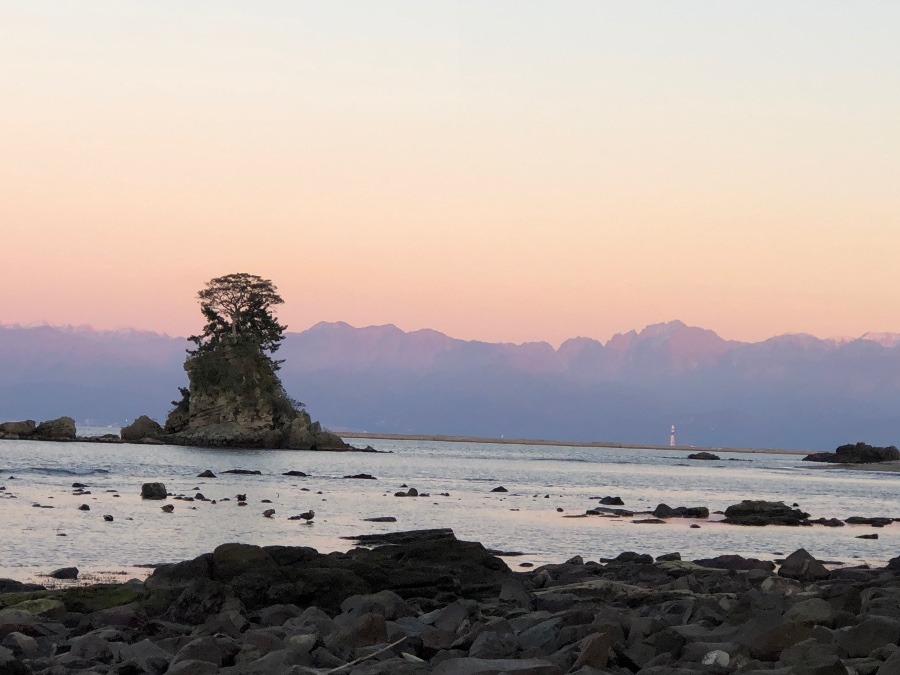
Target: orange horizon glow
(499,172)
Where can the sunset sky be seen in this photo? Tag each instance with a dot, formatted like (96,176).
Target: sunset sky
(503,171)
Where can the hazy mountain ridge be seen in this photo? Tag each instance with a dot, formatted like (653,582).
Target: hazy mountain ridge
(790,390)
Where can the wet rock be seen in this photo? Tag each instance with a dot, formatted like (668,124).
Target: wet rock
(499,488)
(612,501)
(757,512)
(858,453)
(703,455)
(874,522)
(153,491)
(298,474)
(666,511)
(64,573)
(736,562)
(800,565)
(244,472)
(362,476)
(206,474)
(381,519)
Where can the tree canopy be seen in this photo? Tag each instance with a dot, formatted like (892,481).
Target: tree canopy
(239,308)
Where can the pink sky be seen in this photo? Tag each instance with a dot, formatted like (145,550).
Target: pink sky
(496,171)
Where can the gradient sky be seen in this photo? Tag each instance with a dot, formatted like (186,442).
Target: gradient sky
(507,171)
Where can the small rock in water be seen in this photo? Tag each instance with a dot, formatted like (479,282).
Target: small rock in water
(307,516)
(868,536)
(499,488)
(64,573)
(206,474)
(299,474)
(79,485)
(242,498)
(108,518)
(381,519)
(84,507)
(268,513)
(363,476)
(244,472)
(168,508)
(265,501)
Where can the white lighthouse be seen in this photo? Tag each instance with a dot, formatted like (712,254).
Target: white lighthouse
(672,436)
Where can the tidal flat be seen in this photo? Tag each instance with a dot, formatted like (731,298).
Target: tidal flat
(546,485)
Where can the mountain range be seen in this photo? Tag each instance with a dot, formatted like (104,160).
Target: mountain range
(790,391)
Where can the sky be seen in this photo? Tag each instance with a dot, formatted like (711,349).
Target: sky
(502,171)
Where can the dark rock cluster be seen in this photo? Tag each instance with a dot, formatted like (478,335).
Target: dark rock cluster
(425,602)
(59,429)
(856,453)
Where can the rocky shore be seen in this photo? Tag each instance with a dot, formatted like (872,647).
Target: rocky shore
(298,433)
(425,602)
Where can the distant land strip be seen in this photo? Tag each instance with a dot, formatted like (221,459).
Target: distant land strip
(571,444)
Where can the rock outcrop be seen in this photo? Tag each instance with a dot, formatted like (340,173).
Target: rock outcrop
(234,399)
(143,427)
(60,429)
(856,453)
(425,603)
(15,430)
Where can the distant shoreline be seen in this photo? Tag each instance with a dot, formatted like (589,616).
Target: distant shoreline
(572,444)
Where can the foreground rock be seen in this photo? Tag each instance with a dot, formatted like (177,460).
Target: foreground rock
(427,603)
(859,453)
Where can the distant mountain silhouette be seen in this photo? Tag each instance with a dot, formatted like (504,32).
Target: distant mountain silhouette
(793,391)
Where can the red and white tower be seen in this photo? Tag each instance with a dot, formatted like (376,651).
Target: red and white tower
(672,436)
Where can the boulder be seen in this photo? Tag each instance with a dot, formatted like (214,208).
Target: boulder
(666,511)
(758,512)
(23,428)
(60,429)
(413,564)
(143,427)
(800,565)
(153,491)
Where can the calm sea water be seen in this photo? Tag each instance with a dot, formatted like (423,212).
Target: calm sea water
(540,480)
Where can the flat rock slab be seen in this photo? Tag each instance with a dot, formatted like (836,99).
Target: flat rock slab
(472,666)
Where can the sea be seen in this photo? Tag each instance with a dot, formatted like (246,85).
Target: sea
(539,519)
